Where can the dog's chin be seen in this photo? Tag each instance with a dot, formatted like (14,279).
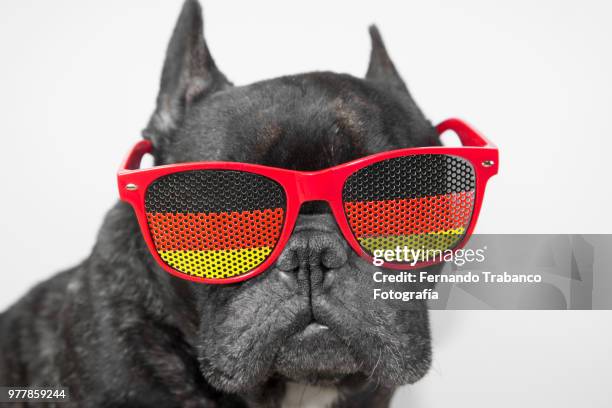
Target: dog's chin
(315,356)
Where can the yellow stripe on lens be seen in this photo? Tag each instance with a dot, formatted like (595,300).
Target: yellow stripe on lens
(216,264)
(434,241)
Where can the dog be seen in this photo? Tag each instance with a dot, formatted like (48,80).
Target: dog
(118,331)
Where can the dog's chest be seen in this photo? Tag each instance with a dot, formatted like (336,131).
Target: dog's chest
(306,396)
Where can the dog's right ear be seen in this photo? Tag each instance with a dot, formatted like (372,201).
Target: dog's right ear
(189,74)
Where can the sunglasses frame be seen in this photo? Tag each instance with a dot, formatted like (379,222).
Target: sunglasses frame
(303,186)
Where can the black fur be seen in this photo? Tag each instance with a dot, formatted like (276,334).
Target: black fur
(119,331)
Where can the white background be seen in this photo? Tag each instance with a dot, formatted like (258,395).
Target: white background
(78,82)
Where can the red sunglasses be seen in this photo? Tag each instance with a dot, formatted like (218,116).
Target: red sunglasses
(224,222)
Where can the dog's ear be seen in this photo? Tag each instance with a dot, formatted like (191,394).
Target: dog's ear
(189,74)
(381,67)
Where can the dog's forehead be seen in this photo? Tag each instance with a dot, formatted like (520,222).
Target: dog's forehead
(303,122)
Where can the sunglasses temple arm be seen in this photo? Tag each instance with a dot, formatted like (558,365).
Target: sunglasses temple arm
(133,159)
(467,134)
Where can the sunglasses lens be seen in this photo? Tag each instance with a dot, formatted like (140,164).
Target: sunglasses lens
(215,224)
(420,202)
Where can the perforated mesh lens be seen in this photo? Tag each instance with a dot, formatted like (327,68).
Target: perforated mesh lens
(419,202)
(215,223)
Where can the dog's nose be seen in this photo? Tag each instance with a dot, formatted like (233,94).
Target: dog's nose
(315,248)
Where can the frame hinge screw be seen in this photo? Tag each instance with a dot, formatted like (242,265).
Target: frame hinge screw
(131,187)
(488,163)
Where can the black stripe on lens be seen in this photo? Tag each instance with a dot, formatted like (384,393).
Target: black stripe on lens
(206,191)
(413,176)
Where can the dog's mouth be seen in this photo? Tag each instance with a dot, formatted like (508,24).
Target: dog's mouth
(315,355)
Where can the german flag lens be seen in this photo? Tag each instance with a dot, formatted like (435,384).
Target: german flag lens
(421,202)
(215,223)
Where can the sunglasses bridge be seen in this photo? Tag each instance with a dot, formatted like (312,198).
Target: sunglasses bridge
(314,186)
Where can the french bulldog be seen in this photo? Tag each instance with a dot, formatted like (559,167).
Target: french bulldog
(118,331)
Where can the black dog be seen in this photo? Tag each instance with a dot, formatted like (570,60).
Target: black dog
(119,331)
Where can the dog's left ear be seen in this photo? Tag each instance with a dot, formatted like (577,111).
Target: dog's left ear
(189,74)
(381,67)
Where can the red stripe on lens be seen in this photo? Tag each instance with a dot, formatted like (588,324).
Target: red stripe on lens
(410,216)
(216,231)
